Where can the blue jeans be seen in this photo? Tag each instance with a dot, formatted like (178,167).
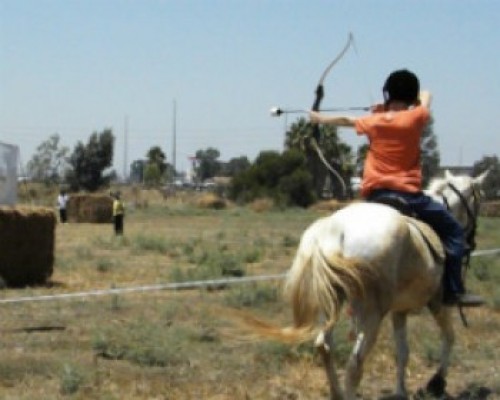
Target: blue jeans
(444,224)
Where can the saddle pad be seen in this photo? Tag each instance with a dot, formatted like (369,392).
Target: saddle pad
(430,237)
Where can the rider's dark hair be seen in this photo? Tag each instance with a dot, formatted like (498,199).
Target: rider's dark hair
(402,85)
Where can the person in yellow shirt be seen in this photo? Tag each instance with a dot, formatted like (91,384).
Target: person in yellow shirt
(118,214)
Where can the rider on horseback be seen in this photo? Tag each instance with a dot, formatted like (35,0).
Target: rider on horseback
(392,168)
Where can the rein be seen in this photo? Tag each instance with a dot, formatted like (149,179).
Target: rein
(469,229)
(472,214)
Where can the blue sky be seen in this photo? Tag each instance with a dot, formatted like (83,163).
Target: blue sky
(73,67)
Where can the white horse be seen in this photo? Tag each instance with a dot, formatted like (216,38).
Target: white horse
(377,261)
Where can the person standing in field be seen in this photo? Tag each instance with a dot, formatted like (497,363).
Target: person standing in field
(62,203)
(118,214)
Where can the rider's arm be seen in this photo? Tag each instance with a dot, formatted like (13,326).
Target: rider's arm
(425,98)
(344,121)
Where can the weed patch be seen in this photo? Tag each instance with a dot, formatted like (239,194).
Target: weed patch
(156,244)
(257,296)
(144,344)
(71,380)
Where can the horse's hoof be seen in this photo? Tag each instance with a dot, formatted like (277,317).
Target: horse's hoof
(436,386)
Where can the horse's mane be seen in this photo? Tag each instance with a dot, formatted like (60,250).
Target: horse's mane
(437,185)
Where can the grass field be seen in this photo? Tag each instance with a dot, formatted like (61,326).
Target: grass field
(175,344)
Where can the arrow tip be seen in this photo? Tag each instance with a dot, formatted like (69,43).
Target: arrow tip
(275,111)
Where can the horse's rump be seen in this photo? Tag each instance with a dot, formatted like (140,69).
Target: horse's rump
(367,255)
(364,250)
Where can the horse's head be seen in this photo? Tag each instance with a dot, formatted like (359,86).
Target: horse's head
(461,194)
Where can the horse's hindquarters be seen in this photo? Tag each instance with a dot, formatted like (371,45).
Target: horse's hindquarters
(406,272)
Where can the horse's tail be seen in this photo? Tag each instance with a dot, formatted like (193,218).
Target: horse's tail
(316,284)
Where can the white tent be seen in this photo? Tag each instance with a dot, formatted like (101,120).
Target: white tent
(9,160)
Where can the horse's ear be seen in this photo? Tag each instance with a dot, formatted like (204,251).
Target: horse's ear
(479,180)
(448,175)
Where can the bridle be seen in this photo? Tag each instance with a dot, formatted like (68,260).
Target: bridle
(472,213)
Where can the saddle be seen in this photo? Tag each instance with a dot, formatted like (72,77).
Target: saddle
(430,237)
(433,242)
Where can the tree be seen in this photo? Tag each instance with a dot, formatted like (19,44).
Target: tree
(235,166)
(156,156)
(88,162)
(152,174)
(208,164)
(337,154)
(361,153)
(429,153)
(491,186)
(282,177)
(49,161)
(155,170)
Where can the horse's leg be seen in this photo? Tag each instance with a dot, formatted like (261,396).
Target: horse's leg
(442,315)
(324,344)
(369,325)
(402,351)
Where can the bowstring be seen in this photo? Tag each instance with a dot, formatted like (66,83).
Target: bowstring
(364,73)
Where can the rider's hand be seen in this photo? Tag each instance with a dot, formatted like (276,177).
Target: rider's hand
(377,108)
(315,117)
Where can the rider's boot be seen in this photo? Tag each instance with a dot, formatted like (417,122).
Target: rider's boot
(463,299)
(454,291)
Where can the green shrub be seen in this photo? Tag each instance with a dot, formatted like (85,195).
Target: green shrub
(275,354)
(252,296)
(104,265)
(284,178)
(84,252)
(252,255)
(496,300)
(151,243)
(71,380)
(290,241)
(144,343)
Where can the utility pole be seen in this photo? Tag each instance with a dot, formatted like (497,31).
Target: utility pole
(125,149)
(174,142)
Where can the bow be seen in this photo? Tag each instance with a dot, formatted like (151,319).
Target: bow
(320,92)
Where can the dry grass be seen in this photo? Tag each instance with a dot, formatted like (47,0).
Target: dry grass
(171,345)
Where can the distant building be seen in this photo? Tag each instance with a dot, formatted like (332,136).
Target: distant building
(9,162)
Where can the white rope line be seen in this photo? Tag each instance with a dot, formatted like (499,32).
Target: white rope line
(490,252)
(215,283)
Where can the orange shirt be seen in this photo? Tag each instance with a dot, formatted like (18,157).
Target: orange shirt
(393,159)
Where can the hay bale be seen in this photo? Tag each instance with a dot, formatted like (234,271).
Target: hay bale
(94,208)
(490,209)
(262,204)
(27,239)
(212,201)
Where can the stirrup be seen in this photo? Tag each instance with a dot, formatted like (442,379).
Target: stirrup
(464,300)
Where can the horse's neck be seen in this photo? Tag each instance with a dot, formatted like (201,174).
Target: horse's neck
(451,203)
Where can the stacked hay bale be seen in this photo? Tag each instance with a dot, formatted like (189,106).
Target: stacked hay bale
(490,209)
(26,245)
(94,208)
(211,200)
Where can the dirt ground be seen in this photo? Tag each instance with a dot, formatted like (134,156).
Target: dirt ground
(176,345)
